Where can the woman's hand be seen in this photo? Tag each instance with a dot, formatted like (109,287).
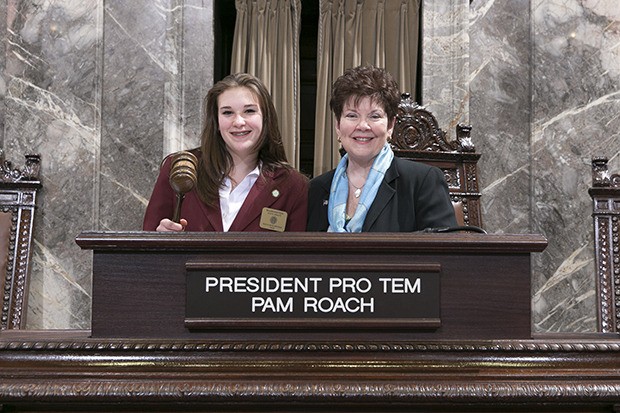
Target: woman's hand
(167,225)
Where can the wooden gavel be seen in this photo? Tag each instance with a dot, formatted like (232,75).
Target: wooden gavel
(182,178)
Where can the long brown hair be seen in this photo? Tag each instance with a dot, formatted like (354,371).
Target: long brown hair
(216,162)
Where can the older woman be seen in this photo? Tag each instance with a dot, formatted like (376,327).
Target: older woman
(371,190)
(244,182)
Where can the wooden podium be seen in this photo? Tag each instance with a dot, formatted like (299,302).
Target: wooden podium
(483,283)
(151,350)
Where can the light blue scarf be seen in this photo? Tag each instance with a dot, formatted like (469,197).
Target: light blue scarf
(339,192)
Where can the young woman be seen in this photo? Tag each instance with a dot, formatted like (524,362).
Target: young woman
(244,182)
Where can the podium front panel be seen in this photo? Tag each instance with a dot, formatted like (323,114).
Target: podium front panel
(139,282)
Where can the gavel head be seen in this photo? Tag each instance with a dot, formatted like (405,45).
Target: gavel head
(183,172)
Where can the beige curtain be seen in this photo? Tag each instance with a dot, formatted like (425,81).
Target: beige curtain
(353,32)
(265,45)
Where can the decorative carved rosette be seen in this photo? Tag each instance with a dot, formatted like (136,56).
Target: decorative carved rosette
(416,128)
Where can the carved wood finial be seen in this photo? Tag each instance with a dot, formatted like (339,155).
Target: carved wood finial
(30,172)
(464,139)
(601,177)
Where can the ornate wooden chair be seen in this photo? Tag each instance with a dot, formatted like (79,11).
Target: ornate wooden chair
(18,189)
(605,193)
(417,136)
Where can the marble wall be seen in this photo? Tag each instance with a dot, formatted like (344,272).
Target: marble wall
(545,99)
(104,89)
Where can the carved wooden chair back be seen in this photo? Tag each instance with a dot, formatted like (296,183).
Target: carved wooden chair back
(605,193)
(417,136)
(18,190)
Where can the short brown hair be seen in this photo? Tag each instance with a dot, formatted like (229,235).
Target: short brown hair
(365,81)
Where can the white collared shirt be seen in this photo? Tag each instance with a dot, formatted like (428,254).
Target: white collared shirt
(231,200)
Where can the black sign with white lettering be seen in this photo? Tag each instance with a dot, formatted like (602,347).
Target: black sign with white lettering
(313,299)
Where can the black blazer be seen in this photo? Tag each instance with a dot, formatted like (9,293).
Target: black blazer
(412,197)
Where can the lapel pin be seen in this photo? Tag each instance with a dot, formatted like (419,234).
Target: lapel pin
(275,193)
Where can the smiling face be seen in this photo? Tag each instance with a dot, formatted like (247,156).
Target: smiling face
(363,128)
(240,121)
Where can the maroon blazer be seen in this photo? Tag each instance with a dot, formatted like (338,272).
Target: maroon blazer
(284,190)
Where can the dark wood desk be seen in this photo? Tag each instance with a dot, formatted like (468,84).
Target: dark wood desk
(168,368)
(139,279)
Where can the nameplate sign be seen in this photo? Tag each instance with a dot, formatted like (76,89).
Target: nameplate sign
(326,296)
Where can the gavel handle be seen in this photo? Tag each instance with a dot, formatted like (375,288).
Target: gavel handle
(177,208)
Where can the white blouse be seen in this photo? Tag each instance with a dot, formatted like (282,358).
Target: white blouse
(232,199)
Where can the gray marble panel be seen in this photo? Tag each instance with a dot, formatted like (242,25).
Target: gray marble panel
(3,31)
(137,67)
(198,45)
(157,66)
(500,111)
(544,100)
(50,108)
(103,91)
(445,61)
(576,115)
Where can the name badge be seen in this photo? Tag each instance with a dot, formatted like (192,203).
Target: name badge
(273,219)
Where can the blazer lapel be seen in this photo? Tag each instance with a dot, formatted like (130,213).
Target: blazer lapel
(384,196)
(326,185)
(261,195)
(213,215)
